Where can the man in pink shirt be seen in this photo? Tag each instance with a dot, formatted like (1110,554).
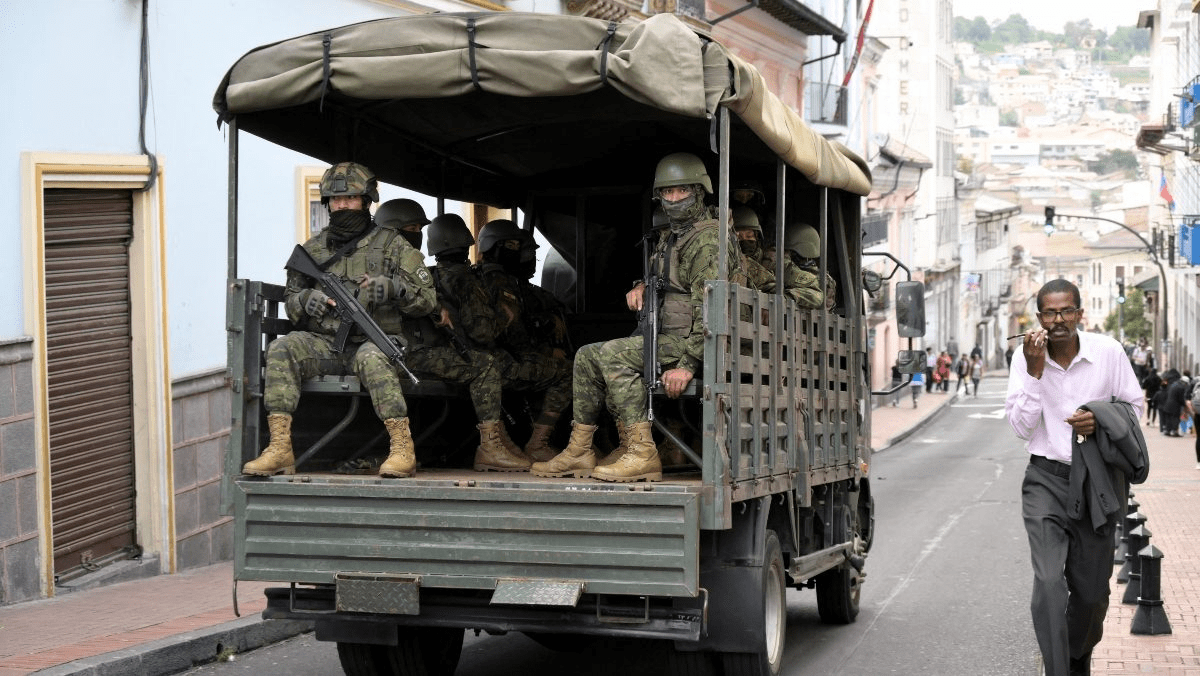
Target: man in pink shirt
(1058,370)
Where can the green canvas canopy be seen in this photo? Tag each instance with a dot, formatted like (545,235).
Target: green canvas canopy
(479,107)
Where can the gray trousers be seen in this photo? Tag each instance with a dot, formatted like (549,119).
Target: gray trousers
(1072,564)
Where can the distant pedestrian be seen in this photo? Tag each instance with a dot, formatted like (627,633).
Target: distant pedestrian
(943,372)
(930,368)
(897,378)
(963,369)
(952,347)
(1008,357)
(976,374)
(1152,383)
(1193,407)
(977,351)
(918,379)
(1174,398)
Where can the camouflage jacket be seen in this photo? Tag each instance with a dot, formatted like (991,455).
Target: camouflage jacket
(381,252)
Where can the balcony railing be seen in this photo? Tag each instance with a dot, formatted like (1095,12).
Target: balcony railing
(825,103)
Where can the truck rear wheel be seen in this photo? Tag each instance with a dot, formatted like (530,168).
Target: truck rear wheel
(768,659)
(420,651)
(839,589)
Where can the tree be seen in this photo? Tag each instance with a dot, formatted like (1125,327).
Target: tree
(973,31)
(1136,325)
(1112,161)
(1009,118)
(1014,30)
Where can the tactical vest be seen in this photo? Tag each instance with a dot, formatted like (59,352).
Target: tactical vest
(368,257)
(677,294)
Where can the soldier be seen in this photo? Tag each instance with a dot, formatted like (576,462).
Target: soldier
(457,342)
(392,283)
(685,257)
(526,364)
(803,245)
(406,216)
(749,239)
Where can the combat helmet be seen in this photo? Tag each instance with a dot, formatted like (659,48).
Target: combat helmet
(803,240)
(744,217)
(446,232)
(349,179)
(498,231)
(681,169)
(399,213)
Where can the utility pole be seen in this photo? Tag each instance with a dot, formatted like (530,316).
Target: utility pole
(1162,288)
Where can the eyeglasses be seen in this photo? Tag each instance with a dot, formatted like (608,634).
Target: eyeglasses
(1067,315)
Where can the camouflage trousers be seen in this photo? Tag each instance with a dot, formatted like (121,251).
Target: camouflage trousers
(300,355)
(536,372)
(481,375)
(612,372)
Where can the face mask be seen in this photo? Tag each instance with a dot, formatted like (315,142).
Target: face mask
(750,247)
(347,223)
(510,260)
(414,238)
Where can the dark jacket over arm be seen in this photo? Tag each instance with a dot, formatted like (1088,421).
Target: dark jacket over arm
(1105,463)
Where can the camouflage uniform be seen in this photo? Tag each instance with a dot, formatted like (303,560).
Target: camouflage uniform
(432,352)
(800,284)
(525,366)
(615,367)
(309,352)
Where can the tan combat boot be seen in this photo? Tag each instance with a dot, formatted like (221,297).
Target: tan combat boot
(577,459)
(510,445)
(622,445)
(493,455)
(640,462)
(277,457)
(538,448)
(402,457)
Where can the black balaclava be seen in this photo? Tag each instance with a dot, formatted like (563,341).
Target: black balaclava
(414,238)
(687,210)
(345,224)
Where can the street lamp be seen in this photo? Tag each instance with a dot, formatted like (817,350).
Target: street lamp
(1162,292)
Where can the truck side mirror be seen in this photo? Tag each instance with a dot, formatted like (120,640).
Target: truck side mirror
(910,309)
(910,361)
(872,282)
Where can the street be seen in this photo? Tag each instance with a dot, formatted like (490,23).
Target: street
(947,588)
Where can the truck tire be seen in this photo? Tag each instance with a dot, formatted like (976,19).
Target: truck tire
(768,659)
(420,651)
(839,589)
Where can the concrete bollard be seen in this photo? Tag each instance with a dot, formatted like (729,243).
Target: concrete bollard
(1119,536)
(1132,521)
(1139,539)
(1150,617)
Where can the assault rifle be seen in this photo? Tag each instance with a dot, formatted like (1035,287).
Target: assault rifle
(348,309)
(650,368)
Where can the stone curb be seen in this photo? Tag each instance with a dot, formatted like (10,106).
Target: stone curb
(178,653)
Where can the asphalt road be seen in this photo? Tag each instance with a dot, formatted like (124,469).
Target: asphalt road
(947,588)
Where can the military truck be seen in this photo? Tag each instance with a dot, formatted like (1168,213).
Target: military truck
(562,120)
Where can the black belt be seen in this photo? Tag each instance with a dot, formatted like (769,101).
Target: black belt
(1054,467)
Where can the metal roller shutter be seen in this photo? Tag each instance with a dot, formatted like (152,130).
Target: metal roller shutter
(87,234)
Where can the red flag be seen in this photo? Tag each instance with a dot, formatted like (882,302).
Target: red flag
(862,33)
(1165,193)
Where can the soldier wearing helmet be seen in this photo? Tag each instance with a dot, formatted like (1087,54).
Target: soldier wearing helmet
(391,281)
(749,240)
(802,244)
(529,363)
(457,341)
(684,256)
(406,216)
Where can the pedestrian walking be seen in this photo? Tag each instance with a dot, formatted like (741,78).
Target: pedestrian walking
(963,370)
(930,368)
(918,379)
(976,374)
(1151,384)
(1057,373)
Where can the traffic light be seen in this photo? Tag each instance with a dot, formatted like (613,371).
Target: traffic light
(1120,291)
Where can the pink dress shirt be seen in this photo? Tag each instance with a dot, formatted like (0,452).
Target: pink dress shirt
(1037,409)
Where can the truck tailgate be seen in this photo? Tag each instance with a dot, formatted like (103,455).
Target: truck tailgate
(466,530)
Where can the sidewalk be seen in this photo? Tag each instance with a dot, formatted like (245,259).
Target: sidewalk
(166,624)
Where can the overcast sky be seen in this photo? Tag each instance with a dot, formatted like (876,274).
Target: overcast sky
(1051,15)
